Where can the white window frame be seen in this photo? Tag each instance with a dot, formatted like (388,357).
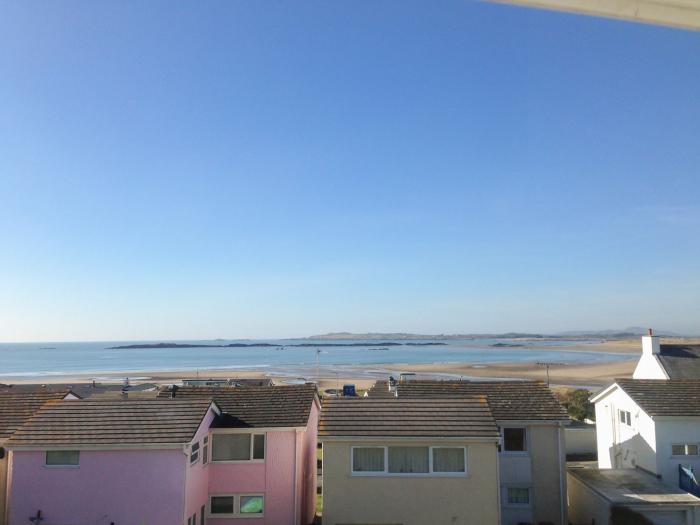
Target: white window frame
(250,452)
(627,419)
(429,474)
(685,448)
(205,451)
(198,452)
(526,444)
(509,505)
(46,465)
(236,505)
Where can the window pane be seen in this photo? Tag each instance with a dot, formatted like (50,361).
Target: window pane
(259,446)
(205,454)
(518,496)
(622,416)
(229,447)
(222,504)
(678,450)
(514,439)
(62,457)
(692,450)
(406,460)
(448,460)
(251,504)
(368,459)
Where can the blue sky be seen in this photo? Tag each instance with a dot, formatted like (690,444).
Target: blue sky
(274,169)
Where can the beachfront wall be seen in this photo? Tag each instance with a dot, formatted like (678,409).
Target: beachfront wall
(470,499)
(120,486)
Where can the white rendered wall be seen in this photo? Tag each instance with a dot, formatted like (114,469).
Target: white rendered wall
(649,367)
(619,445)
(678,431)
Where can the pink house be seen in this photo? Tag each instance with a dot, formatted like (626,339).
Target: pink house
(198,457)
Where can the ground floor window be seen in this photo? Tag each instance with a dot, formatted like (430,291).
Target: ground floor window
(409,460)
(684,449)
(518,496)
(233,505)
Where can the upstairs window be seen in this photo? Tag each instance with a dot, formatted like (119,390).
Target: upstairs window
(684,449)
(368,459)
(238,447)
(194,453)
(514,439)
(62,458)
(409,461)
(625,417)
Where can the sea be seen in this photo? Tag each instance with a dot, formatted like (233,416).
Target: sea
(283,357)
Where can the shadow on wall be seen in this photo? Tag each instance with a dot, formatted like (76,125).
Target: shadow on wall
(631,454)
(624,516)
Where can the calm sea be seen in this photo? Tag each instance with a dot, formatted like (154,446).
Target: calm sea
(27,360)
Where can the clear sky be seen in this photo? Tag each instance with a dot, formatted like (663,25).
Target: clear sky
(271,169)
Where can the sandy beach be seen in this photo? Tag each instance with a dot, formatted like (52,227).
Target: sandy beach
(590,375)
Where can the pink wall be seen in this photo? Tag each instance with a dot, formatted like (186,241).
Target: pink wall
(274,478)
(197,476)
(121,486)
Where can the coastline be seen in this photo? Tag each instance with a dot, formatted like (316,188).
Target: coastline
(592,374)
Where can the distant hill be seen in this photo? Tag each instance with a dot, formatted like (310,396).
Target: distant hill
(630,331)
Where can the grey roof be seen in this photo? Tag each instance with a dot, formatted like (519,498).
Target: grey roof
(265,406)
(508,400)
(392,417)
(113,422)
(680,361)
(17,406)
(631,487)
(664,397)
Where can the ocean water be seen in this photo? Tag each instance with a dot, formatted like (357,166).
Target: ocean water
(28,360)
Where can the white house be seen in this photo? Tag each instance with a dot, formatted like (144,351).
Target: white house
(648,430)
(667,361)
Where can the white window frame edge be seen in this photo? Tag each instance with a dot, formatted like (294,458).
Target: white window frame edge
(236,505)
(430,474)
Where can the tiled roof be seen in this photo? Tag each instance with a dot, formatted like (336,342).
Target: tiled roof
(508,400)
(268,406)
(662,397)
(16,407)
(113,422)
(680,361)
(392,417)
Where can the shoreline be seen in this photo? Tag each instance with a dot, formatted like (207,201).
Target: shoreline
(592,374)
